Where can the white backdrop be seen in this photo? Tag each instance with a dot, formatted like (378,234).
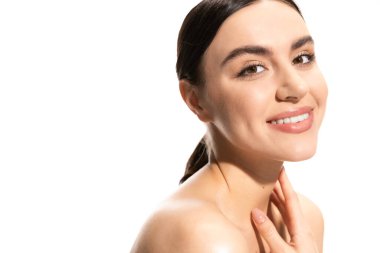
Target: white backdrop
(93,133)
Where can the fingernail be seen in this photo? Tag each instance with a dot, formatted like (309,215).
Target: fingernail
(258,216)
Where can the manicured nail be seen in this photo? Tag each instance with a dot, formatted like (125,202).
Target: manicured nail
(258,216)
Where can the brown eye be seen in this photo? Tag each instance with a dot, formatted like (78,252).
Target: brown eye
(303,59)
(251,70)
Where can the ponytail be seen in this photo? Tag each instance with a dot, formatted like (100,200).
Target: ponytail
(197,160)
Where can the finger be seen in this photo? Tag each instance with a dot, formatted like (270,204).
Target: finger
(277,190)
(282,209)
(290,196)
(279,204)
(294,221)
(278,199)
(268,231)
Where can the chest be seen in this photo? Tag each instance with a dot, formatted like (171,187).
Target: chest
(254,240)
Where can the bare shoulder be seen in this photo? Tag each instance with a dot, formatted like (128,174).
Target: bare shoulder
(189,226)
(314,217)
(312,213)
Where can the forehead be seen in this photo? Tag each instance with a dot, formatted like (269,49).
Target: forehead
(266,23)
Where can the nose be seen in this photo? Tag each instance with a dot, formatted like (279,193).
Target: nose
(292,86)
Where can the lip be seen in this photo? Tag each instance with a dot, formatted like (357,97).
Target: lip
(295,128)
(292,113)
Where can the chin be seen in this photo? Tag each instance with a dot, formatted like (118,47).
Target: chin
(299,153)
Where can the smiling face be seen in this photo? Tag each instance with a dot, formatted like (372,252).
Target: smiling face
(263,91)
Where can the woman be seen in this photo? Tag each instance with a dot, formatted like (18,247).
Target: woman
(247,70)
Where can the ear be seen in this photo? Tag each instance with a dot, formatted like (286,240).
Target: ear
(190,94)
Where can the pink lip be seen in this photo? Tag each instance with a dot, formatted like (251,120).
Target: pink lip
(291,113)
(295,128)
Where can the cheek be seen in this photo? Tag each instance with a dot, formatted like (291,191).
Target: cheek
(319,91)
(317,85)
(243,105)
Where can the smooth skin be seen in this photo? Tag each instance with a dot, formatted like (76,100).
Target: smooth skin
(242,200)
(188,224)
(301,234)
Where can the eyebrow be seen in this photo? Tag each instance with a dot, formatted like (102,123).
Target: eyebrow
(259,50)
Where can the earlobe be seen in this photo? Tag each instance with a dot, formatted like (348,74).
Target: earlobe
(190,95)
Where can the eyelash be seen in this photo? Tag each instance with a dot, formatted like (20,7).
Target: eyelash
(311,58)
(243,73)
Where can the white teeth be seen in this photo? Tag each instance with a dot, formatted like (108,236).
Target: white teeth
(294,119)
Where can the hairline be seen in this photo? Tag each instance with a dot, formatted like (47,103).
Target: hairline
(201,66)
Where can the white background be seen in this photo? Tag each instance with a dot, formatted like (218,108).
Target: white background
(93,133)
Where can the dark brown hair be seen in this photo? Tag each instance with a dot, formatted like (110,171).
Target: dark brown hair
(196,34)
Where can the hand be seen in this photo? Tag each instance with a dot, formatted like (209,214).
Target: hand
(286,200)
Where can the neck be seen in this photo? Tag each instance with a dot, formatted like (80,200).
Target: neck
(246,182)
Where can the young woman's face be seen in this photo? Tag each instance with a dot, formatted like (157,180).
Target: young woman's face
(263,88)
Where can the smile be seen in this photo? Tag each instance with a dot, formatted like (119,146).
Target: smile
(294,119)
